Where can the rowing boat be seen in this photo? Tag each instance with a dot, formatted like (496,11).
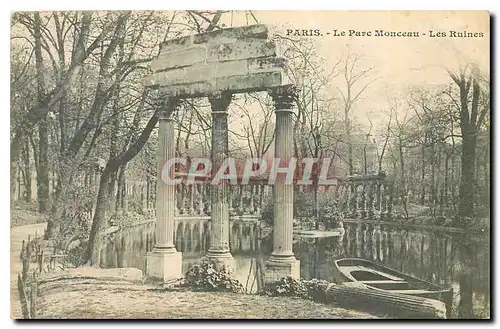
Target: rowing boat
(378,277)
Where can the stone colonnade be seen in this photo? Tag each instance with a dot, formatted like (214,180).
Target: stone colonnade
(164,261)
(367,197)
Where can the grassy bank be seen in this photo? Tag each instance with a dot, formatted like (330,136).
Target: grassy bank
(92,296)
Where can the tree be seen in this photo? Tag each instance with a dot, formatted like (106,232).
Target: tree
(472,116)
(130,149)
(354,85)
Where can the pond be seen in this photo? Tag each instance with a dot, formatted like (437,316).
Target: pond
(452,259)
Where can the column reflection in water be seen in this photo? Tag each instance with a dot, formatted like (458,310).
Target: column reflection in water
(359,241)
(459,260)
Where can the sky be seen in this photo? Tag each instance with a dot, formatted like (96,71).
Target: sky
(398,63)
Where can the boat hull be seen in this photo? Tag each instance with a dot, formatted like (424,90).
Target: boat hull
(378,277)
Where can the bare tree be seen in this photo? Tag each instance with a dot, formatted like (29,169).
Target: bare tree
(472,117)
(356,81)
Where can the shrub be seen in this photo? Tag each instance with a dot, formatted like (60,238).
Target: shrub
(287,286)
(316,289)
(210,277)
(74,215)
(303,205)
(330,213)
(76,255)
(308,289)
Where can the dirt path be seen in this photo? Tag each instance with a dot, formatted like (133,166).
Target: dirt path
(17,235)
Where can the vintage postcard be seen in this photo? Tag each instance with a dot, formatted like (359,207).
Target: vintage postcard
(250,164)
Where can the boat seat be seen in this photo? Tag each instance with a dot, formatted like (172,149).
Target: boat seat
(370,270)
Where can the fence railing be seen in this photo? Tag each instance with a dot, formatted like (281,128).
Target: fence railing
(43,260)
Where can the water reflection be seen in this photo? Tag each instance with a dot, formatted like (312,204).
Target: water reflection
(450,259)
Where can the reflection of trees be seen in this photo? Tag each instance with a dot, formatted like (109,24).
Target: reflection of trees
(439,257)
(403,249)
(465,278)
(472,274)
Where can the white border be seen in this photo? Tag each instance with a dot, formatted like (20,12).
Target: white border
(10,6)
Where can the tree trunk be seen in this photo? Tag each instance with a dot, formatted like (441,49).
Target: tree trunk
(43,166)
(43,136)
(120,185)
(384,302)
(316,206)
(468,164)
(27,171)
(446,184)
(92,252)
(469,127)
(422,179)
(467,254)
(404,193)
(98,223)
(350,157)
(433,198)
(486,173)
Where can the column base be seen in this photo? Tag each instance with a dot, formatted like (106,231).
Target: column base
(221,259)
(275,270)
(165,265)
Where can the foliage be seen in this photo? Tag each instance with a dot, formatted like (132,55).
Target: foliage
(75,217)
(76,255)
(330,214)
(267,211)
(316,289)
(211,277)
(308,289)
(286,286)
(303,205)
(22,213)
(120,218)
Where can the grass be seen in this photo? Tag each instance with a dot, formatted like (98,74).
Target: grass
(97,298)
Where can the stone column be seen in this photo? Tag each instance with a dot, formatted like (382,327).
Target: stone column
(378,210)
(388,190)
(354,198)
(219,234)
(252,204)
(230,200)
(383,202)
(191,199)
(347,207)
(282,261)
(370,199)
(164,261)
(362,205)
(360,201)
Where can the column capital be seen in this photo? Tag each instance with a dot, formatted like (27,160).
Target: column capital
(219,101)
(284,97)
(167,107)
